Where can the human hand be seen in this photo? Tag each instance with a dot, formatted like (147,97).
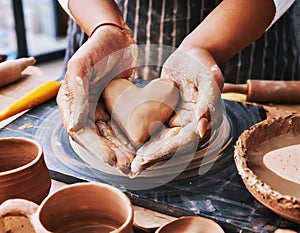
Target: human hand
(198,113)
(109,53)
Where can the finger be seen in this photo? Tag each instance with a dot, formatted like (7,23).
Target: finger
(183,115)
(64,101)
(155,150)
(217,75)
(104,147)
(124,153)
(81,103)
(169,142)
(202,126)
(209,105)
(217,119)
(181,118)
(95,145)
(209,120)
(121,137)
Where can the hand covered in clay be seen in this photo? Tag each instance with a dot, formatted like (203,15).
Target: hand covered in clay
(109,53)
(198,112)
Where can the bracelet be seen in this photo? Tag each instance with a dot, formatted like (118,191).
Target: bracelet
(104,24)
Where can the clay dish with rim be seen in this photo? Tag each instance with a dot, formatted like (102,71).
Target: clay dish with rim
(267,157)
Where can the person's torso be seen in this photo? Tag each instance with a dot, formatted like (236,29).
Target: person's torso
(274,56)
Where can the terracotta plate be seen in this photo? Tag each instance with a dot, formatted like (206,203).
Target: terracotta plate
(267,157)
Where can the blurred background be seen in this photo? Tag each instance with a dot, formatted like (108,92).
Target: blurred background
(32,28)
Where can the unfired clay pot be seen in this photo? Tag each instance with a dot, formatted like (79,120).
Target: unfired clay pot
(190,224)
(77,208)
(267,157)
(23,172)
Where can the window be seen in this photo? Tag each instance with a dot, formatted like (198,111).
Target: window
(32,28)
(8,44)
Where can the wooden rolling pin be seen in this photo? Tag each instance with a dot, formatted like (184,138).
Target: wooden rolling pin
(265,91)
(11,70)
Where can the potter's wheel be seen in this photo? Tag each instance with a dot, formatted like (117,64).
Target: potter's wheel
(190,164)
(67,155)
(213,157)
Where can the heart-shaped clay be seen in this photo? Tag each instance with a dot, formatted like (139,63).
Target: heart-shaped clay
(140,111)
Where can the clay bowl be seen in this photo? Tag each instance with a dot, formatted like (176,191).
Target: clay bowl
(190,224)
(23,172)
(267,157)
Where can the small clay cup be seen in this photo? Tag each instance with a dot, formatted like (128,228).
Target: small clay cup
(190,224)
(23,172)
(77,208)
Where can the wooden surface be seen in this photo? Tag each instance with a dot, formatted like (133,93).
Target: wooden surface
(13,91)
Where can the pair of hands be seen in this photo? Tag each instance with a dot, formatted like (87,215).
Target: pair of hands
(112,53)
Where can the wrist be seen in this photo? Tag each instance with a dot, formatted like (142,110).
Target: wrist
(89,16)
(106,24)
(114,32)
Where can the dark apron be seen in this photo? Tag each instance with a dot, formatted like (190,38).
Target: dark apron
(274,56)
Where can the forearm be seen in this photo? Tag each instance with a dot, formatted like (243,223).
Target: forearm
(230,27)
(89,14)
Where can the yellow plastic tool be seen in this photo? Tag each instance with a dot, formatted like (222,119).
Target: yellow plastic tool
(38,95)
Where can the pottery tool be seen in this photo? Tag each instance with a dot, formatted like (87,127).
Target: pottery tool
(38,95)
(267,91)
(11,70)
